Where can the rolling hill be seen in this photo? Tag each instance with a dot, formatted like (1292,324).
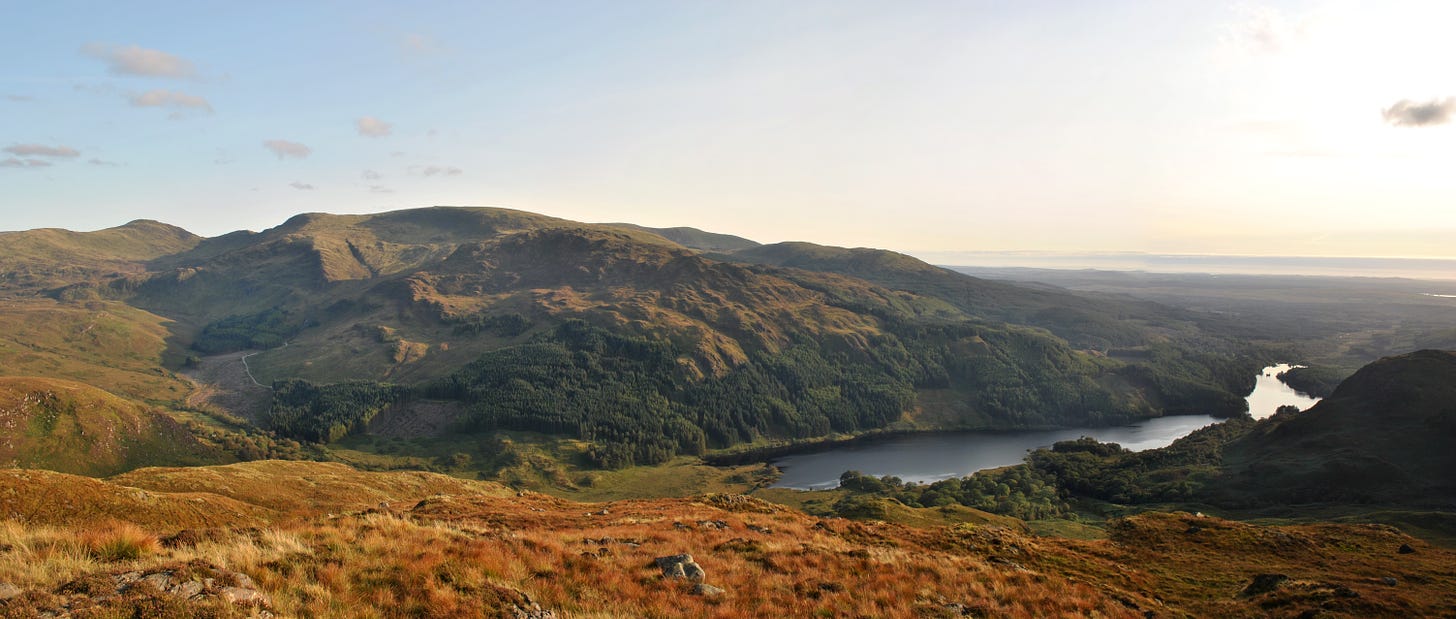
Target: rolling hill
(70,427)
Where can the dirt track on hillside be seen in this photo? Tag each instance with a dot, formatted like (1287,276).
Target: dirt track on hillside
(223,382)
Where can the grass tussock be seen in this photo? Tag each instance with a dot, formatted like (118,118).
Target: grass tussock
(119,541)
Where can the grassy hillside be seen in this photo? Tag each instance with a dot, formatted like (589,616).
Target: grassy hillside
(106,344)
(49,258)
(74,428)
(619,336)
(330,541)
(694,238)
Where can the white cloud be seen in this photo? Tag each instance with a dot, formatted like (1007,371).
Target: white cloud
(370,126)
(371,175)
(285,149)
(41,150)
(439,170)
(170,98)
(1407,113)
(12,162)
(135,60)
(301,186)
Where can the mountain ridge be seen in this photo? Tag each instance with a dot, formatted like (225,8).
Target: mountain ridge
(710,349)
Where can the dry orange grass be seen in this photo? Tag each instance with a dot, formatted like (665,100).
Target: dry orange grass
(479,551)
(118,541)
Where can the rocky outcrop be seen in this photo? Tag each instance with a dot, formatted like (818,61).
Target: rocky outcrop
(196,586)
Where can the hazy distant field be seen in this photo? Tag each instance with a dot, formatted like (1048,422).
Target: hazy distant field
(1414,268)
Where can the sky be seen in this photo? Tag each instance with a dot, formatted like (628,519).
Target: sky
(1321,128)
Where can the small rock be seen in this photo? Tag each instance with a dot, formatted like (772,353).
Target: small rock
(693,571)
(1405,549)
(707,590)
(1389,581)
(1193,529)
(244,597)
(664,562)
(675,570)
(244,580)
(8,591)
(163,581)
(186,589)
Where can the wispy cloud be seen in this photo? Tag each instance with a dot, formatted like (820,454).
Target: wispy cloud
(370,126)
(417,44)
(1407,113)
(12,162)
(1267,30)
(285,149)
(41,150)
(379,189)
(170,98)
(302,186)
(19,98)
(102,162)
(136,60)
(371,175)
(438,170)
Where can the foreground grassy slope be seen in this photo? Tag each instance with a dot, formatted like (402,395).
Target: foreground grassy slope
(476,550)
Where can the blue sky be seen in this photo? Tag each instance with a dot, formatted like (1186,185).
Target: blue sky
(1316,128)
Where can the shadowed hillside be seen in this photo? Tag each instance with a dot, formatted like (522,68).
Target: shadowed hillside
(1384,436)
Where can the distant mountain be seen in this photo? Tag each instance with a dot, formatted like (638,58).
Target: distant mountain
(694,238)
(44,258)
(1384,436)
(643,342)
